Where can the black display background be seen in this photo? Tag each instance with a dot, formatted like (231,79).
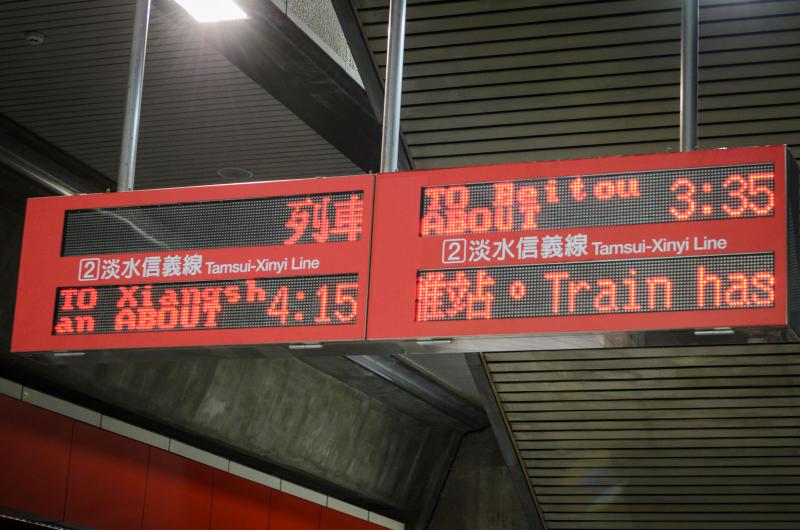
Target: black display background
(190,226)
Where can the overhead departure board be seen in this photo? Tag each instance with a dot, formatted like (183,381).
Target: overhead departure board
(701,242)
(261,263)
(657,242)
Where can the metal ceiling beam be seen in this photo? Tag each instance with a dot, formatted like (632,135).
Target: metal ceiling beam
(35,172)
(419,385)
(278,55)
(52,169)
(507,448)
(368,70)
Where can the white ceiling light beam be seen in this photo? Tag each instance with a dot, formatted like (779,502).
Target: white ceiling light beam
(213,10)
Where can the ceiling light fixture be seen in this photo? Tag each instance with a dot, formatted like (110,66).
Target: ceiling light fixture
(212,10)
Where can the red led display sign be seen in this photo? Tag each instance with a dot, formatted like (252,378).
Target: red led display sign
(261,263)
(680,241)
(656,242)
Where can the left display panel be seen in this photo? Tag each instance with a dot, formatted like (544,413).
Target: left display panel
(284,262)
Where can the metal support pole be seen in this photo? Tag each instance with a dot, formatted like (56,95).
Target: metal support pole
(390,144)
(133,103)
(690,39)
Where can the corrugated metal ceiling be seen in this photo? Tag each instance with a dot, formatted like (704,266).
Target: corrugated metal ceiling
(520,80)
(689,438)
(199,112)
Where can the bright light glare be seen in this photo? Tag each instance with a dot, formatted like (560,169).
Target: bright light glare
(212,10)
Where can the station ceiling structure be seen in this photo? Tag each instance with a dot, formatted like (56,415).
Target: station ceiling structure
(201,112)
(644,438)
(513,81)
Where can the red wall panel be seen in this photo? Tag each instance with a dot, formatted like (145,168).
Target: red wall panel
(293,513)
(178,493)
(333,520)
(62,469)
(107,479)
(239,503)
(34,458)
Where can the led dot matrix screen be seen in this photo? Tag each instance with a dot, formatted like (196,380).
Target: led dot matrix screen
(535,205)
(647,197)
(597,288)
(254,303)
(267,221)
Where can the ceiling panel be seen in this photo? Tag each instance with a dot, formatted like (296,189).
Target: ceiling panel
(690,438)
(513,81)
(199,112)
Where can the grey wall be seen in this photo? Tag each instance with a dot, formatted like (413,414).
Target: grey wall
(287,413)
(478,494)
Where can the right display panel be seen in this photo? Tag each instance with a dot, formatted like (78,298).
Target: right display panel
(682,241)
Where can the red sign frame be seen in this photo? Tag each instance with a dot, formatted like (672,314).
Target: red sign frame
(43,270)
(399,251)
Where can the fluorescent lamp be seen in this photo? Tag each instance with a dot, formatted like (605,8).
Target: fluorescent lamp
(212,10)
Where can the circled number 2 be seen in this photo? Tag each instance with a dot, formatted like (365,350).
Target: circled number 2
(89,269)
